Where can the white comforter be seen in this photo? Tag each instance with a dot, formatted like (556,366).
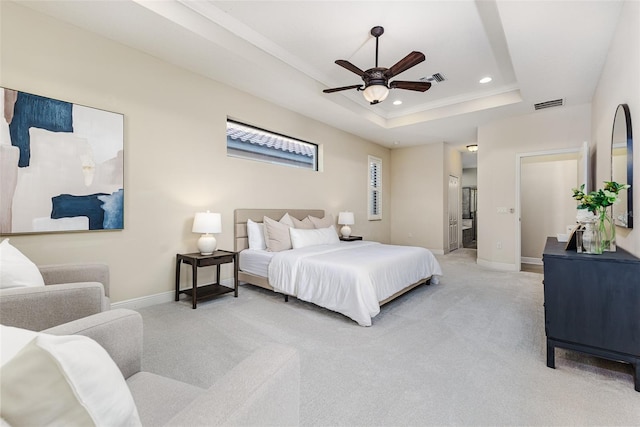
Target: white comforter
(351,278)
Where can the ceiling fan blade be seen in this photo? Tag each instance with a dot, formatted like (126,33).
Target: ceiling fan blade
(417,86)
(349,66)
(414,58)
(337,89)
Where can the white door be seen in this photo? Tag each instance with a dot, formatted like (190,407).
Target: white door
(454,202)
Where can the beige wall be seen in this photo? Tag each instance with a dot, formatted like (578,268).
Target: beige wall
(175,152)
(620,84)
(500,142)
(419,185)
(416,182)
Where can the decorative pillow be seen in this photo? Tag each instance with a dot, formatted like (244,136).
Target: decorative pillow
(321,236)
(63,380)
(287,220)
(277,235)
(322,223)
(255,232)
(16,270)
(12,340)
(305,224)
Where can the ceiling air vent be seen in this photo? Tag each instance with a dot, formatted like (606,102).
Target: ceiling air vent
(436,78)
(549,104)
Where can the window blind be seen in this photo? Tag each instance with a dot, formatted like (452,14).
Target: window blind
(375,189)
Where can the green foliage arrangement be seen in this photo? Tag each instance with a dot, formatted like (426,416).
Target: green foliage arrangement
(597,201)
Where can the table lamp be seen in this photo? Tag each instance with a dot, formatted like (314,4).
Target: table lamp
(345,219)
(207,223)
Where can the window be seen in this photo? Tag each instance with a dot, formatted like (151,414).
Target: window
(253,143)
(374,211)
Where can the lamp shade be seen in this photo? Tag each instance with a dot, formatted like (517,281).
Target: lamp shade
(376,93)
(207,222)
(346,218)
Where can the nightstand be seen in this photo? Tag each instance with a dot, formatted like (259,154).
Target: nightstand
(196,260)
(350,238)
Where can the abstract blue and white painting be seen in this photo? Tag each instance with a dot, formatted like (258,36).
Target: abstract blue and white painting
(61,166)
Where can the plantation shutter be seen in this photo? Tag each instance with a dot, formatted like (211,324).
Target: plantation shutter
(375,189)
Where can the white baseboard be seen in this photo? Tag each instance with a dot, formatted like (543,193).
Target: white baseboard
(497,265)
(529,260)
(149,300)
(135,303)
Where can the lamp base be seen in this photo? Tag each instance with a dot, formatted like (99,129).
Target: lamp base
(207,244)
(345,231)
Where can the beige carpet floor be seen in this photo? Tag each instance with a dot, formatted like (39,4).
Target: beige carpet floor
(468,351)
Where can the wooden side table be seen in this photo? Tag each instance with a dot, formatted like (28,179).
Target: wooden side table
(211,290)
(350,238)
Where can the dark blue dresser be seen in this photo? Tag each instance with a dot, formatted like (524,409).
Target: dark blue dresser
(592,304)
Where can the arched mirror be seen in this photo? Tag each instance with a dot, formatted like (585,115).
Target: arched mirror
(622,165)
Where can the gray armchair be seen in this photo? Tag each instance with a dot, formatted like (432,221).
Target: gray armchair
(71,291)
(263,389)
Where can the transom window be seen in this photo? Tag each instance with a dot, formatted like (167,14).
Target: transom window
(253,143)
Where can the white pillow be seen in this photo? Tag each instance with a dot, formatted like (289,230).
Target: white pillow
(16,270)
(12,340)
(63,380)
(301,238)
(255,232)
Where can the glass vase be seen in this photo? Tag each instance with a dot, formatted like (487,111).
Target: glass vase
(607,230)
(591,238)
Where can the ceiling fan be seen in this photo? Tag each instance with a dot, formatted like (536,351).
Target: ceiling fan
(376,80)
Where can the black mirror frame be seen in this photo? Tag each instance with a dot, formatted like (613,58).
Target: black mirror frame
(629,144)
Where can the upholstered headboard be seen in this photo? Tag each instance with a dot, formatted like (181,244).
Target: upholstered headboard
(241,216)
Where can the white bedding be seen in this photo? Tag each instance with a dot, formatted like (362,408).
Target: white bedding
(351,278)
(256,261)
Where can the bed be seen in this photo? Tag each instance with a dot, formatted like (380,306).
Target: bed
(351,278)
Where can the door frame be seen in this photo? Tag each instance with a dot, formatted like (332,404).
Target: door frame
(584,150)
(458,202)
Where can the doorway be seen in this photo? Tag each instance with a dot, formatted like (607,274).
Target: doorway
(454,212)
(469,217)
(543,199)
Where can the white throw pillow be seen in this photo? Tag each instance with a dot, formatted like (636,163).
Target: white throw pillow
(16,270)
(255,232)
(63,381)
(301,238)
(12,340)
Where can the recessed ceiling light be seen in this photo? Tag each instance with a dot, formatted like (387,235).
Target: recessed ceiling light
(397,102)
(485,80)
(396,143)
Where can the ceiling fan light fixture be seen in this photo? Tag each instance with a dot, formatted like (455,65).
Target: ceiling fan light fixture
(376,79)
(376,93)
(472,147)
